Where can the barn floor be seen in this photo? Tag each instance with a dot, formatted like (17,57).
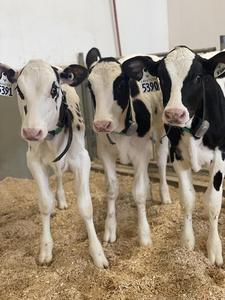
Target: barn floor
(166,271)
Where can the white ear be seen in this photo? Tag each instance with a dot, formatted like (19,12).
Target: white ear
(219,70)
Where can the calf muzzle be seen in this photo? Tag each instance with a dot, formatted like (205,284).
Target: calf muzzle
(175,115)
(102,126)
(32,134)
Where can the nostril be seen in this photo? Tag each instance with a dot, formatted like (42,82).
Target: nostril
(39,133)
(108,125)
(183,114)
(167,114)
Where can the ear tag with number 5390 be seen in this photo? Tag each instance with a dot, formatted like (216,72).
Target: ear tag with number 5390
(149,83)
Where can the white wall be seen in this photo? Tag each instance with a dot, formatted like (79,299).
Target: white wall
(196,23)
(54,30)
(143,26)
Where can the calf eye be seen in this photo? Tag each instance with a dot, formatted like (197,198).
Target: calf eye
(19,92)
(197,79)
(54,91)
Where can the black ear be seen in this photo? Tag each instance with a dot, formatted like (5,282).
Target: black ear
(73,75)
(134,67)
(93,55)
(9,72)
(215,65)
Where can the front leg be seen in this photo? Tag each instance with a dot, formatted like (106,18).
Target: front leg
(109,163)
(140,192)
(187,195)
(80,166)
(60,194)
(162,149)
(46,206)
(213,199)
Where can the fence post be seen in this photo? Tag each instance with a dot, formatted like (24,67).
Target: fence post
(88,113)
(222,42)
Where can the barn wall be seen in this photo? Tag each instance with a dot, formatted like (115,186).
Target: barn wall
(143,26)
(197,24)
(55,30)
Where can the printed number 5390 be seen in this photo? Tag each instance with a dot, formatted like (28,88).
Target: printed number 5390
(150,86)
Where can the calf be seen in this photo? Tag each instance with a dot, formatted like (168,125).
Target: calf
(194,116)
(52,125)
(125,118)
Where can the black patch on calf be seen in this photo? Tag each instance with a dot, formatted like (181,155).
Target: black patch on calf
(134,88)
(109,59)
(223,155)
(54,91)
(78,127)
(92,95)
(217,180)
(56,73)
(143,117)
(165,82)
(174,135)
(25,109)
(121,91)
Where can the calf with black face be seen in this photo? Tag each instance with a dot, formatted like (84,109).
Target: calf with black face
(53,127)
(125,119)
(194,117)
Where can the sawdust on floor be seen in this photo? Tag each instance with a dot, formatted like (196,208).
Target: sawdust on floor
(165,271)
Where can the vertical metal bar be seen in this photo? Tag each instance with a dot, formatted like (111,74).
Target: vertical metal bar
(222,42)
(88,113)
(117,28)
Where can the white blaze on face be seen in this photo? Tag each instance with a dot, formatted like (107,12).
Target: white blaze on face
(178,64)
(35,83)
(102,78)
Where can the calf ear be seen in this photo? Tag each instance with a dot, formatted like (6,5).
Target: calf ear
(73,75)
(93,55)
(216,65)
(134,67)
(11,74)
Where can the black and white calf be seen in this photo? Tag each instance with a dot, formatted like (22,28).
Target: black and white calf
(194,114)
(125,118)
(53,127)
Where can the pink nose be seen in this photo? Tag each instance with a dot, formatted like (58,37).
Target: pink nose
(32,134)
(103,126)
(175,115)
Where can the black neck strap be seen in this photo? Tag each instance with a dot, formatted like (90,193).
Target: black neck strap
(65,121)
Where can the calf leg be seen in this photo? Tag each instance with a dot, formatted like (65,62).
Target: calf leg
(187,195)
(46,206)
(162,154)
(112,194)
(80,166)
(213,199)
(60,194)
(140,192)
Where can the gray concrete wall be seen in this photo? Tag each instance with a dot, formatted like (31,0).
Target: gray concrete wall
(12,147)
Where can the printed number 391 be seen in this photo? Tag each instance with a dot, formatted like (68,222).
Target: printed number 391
(5,91)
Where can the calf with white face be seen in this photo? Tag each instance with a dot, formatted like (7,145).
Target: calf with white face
(125,119)
(53,127)
(194,116)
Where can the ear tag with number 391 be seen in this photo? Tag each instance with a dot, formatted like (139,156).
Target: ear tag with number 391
(5,86)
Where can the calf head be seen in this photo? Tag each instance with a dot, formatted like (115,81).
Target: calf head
(184,76)
(110,89)
(40,95)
